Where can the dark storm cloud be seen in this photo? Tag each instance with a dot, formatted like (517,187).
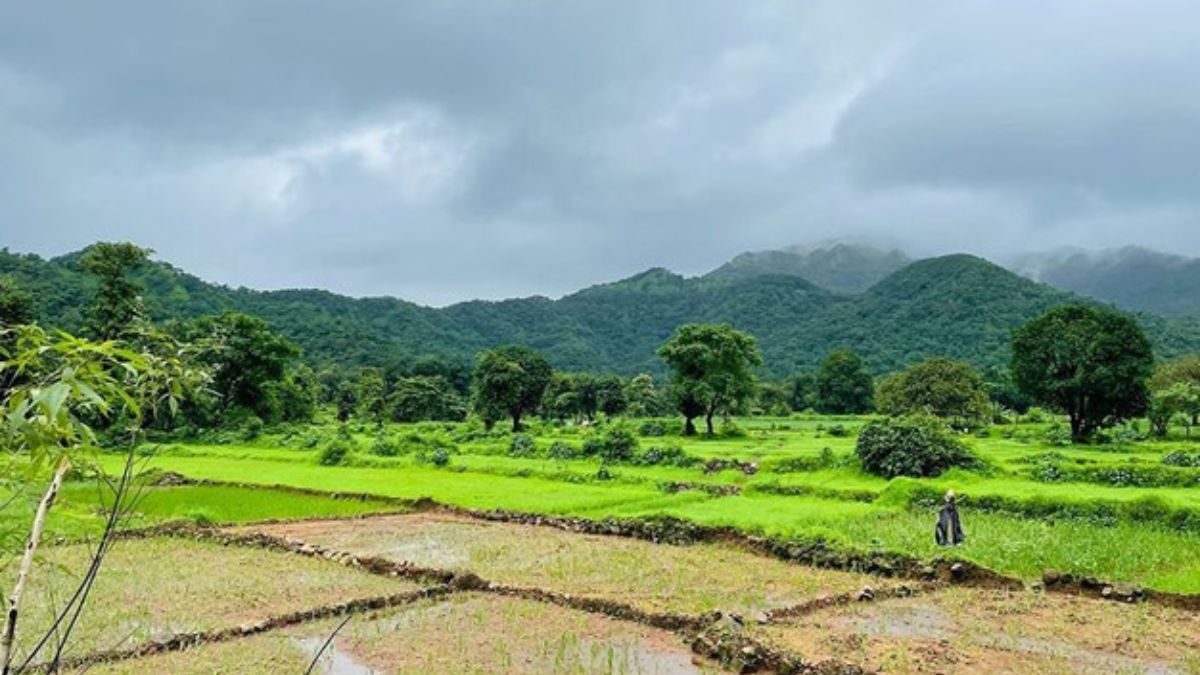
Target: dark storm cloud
(457,149)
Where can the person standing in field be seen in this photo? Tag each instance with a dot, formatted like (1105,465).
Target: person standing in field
(949,530)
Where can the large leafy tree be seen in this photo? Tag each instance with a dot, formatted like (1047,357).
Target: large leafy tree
(117,305)
(247,360)
(644,398)
(1090,363)
(1175,394)
(610,395)
(422,397)
(371,394)
(560,400)
(844,386)
(802,391)
(938,386)
(509,382)
(711,371)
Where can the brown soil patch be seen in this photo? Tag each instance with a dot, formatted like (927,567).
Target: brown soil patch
(467,633)
(974,630)
(152,589)
(653,577)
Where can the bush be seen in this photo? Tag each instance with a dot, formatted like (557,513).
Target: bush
(616,443)
(438,457)
(335,453)
(652,429)
(384,447)
(667,456)
(916,446)
(1057,434)
(1181,458)
(837,431)
(522,445)
(562,450)
(731,430)
(200,516)
(1035,415)
(252,428)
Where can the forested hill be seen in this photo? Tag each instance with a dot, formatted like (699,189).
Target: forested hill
(960,305)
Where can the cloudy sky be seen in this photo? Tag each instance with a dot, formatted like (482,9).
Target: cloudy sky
(484,148)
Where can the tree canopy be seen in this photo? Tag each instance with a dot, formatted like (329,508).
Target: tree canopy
(1090,363)
(118,302)
(711,371)
(938,386)
(509,381)
(844,386)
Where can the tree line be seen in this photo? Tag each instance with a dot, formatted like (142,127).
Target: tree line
(1094,365)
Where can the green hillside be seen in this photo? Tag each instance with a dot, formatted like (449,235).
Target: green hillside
(957,305)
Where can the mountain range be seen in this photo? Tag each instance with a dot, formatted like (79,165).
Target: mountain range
(800,303)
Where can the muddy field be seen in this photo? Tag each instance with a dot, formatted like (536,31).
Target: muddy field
(457,594)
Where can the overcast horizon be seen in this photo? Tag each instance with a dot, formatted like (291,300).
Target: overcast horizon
(465,150)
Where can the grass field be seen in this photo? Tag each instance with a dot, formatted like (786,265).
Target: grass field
(805,485)
(1115,511)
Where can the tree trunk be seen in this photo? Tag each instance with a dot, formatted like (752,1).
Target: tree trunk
(516,423)
(708,423)
(1076,427)
(689,426)
(31,545)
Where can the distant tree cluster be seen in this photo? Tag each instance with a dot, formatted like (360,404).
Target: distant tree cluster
(1091,364)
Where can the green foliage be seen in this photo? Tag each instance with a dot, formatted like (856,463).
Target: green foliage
(1175,394)
(843,385)
(117,306)
(959,306)
(711,371)
(68,385)
(613,443)
(247,361)
(802,392)
(425,397)
(940,387)
(522,445)
(335,453)
(509,381)
(1090,363)
(16,305)
(644,398)
(383,446)
(370,391)
(915,446)
(652,429)
(610,395)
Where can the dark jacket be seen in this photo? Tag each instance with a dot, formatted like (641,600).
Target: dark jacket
(949,528)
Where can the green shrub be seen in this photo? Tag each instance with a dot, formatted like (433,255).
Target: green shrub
(562,450)
(384,447)
(438,457)
(522,445)
(335,453)
(916,446)
(615,443)
(652,429)
(1057,434)
(200,516)
(252,428)
(730,429)
(1181,458)
(837,431)
(671,455)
